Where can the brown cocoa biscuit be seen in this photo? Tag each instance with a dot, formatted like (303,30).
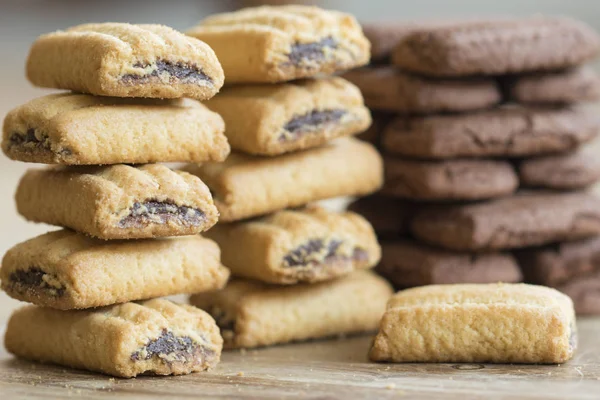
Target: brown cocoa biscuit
(448,179)
(525,219)
(495,47)
(389,89)
(388,216)
(585,293)
(504,131)
(562,87)
(563,172)
(378,124)
(407,263)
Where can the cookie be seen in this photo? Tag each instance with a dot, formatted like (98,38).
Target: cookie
(390,89)
(388,216)
(585,293)
(125,60)
(406,263)
(118,201)
(253,314)
(562,172)
(291,246)
(282,43)
(563,87)
(373,133)
(448,179)
(496,323)
(246,186)
(66,270)
(275,119)
(155,337)
(525,219)
(504,131)
(496,47)
(49,130)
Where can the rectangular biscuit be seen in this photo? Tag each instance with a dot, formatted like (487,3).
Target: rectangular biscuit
(283,43)
(497,323)
(79,129)
(504,131)
(154,337)
(389,217)
(497,46)
(125,60)
(253,314)
(275,119)
(66,270)
(291,246)
(117,201)
(474,179)
(525,219)
(390,89)
(407,263)
(247,186)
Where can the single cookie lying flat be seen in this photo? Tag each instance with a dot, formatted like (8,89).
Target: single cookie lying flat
(73,129)
(388,216)
(155,337)
(252,314)
(496,47)
(585,292)
(522,220)
(448,179)
(282,43)
(276,119)
(389,89)
(246,186)
(498,323)
(406,263)
(66,270)
(505,131)
(118,201)
(563,172)
(563,87)
(307,245)
(124,60)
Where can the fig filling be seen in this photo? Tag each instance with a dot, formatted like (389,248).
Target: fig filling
(185,73)
(159,212)
(34,279)
(315,51)
(317,251)
(310,121)
(171,348)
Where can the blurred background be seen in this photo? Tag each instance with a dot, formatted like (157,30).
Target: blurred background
(21,21)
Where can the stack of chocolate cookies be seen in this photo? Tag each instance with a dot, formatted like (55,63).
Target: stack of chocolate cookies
(84,280)
(300,271)
(482,127)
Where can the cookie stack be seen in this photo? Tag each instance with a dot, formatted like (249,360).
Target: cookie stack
(300,271)
(482,127)
(102,195)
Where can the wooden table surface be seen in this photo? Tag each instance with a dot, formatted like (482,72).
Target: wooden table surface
(321,370)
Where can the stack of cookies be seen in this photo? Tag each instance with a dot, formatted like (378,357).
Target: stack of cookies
(83,280)
(481,126)
(300,271)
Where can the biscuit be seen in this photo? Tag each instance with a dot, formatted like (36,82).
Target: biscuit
(563,87)
(389,89)
(291,246)
(155,337)
(66,270)
(585,293)
(247,186)
(388,216)
(124,60)
(504,131)
(49,130)
(497,323)
(526,219)
(118,201)
(275,119)
(378,124)
(253,314)
(407,263)
(497,47)
(562,172)
(448,179)
(282,43)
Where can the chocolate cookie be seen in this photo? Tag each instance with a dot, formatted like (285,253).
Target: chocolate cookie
(525,219)
(505,131)
(496,47)
(448,180)
(389,216)
(585,293)
(373,133)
